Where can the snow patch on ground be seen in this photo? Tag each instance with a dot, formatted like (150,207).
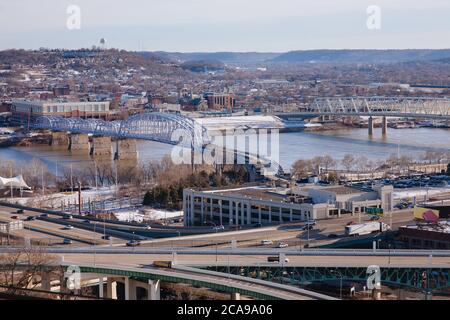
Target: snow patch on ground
(419,193)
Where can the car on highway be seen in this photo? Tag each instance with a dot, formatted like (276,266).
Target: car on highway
(375,218)
(67,216)
(106,237)
(15,217)
(282,245)
(133,243)
(67,241)
(267,242)
(311,222)
(31,218)
(218,228)
(44,215)
(87,221)
(351,223)
(308,227)
(20,211)
(68,227)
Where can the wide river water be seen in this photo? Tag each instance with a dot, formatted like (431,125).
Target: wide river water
(293,146)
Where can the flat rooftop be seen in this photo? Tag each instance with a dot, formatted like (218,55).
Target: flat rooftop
(256,193)
(441,227)
(335,189)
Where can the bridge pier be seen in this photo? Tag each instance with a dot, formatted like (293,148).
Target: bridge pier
(384,126)
(126,150)
(370,126)
(111,288)
(79,142)
(154,290)
(60,139)
(101,148)
(101,288)
(235,296)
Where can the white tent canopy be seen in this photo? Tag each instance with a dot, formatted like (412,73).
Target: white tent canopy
(16,182)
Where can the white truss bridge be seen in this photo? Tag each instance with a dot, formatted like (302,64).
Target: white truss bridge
(401,107)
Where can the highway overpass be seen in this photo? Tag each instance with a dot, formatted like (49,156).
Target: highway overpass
(420,270)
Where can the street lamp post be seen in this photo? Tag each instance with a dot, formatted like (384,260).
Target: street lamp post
(340,282)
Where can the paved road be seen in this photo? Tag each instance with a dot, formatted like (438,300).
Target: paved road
(287,232)
(53,230)
(134,260)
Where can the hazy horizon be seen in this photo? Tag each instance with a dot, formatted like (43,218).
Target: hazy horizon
(225,26)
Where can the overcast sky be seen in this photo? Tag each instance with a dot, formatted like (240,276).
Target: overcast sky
(225,25)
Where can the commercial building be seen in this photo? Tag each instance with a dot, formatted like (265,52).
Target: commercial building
(350,200)
(24,111)
(218,101)
(427,236)
(265,205)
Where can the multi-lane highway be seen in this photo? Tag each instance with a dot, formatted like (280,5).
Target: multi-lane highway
(54,228)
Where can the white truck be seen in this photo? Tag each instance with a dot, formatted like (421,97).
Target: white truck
(366,228)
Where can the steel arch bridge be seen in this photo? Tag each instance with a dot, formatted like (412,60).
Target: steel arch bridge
(419,278)
(161,127)
(402,107)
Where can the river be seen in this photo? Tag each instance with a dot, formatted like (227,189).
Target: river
(293,146)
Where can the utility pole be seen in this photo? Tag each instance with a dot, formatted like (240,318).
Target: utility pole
(71,177)
(79,198)
(11,174)
(42,177)
(96,181)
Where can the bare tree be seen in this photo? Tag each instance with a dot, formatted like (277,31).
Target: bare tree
(348,162)
(19,268)
(302,168)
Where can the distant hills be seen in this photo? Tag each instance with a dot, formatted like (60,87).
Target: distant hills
(225,57)
(306,56)
(364,55)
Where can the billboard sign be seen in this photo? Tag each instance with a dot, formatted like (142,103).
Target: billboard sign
(426,214)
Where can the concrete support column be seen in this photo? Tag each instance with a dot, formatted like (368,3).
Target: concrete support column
(281,215)
(235,296)
(371,126)
(131,289)
(127,288)
(111,289)
(101,293)
(101,148)
(60,139)
(154,290)
(384,126)
(79,142)
(127,150)
(45,281)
